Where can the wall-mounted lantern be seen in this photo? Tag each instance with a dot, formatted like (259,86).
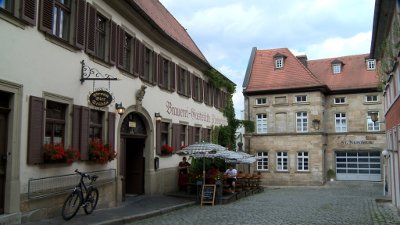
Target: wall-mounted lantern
(120,109)
(157,116)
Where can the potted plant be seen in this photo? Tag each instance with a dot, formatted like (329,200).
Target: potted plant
(57,153)
(166,149)
(101,153)
(330,174)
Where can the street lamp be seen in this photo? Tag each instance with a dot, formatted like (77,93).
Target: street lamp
(385,154)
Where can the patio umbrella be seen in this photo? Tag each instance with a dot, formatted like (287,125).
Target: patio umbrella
(203,150)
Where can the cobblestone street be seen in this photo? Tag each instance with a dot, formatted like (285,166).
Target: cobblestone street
(347,203)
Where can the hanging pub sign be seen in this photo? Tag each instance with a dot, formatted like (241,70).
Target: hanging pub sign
(100,98)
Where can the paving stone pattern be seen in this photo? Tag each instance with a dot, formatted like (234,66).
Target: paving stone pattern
(337,203)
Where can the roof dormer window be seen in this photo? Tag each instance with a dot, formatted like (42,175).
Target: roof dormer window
(371,63)
(337,66)
(279,60)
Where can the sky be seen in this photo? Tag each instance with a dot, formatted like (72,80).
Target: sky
(226,30)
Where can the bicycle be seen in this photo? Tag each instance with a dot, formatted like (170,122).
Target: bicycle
(77,199)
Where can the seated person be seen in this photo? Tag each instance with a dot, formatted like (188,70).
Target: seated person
(231,177)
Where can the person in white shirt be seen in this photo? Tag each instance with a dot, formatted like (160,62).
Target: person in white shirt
(231,178)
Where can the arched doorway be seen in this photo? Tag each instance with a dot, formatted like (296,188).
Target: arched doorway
(132,160)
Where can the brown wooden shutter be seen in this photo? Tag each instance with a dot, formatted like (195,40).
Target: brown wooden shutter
(80,24)
(172,83)
(121,158)
(84,127)
(113,49)
(91,30)
(35,130)
(154,69)
(194,80)
(46,16)
(158,138)
(136,62)
(178,79)
(120,37)
(141,58)
(160,71)
(111,129)
(201,86)
(29,11)
(76,120)
(176,136)
(189,77)
(190,135)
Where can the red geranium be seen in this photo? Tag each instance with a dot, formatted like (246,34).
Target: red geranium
(101,153)
(58,153)
(166,149)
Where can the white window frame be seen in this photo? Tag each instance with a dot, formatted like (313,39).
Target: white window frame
(303,161)
(371,126)
(371,64)
(262,123)
(340,122)
(338,100)
(262,161)
(282,161)
(301,122)
(336,68)
(301,98)
(279,62)
(371,98)
(261,101)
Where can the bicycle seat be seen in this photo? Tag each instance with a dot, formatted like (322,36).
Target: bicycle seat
(94,177)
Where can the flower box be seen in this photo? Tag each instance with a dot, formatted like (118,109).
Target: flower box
(101,153)
(57,153)
(166,150)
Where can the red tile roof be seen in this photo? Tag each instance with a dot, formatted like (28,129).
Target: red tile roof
(167,23)
(294,74)
(354,73)
(318,73)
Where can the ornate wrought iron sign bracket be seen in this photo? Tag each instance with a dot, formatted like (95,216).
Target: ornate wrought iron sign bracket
(93,74)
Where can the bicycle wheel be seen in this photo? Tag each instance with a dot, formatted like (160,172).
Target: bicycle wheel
(71,205)
(91,200)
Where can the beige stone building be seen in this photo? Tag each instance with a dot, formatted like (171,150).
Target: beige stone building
(312,116)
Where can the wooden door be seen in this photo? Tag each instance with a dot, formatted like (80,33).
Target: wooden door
(3,155)
(134,166)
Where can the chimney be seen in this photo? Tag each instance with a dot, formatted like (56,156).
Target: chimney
(303,59)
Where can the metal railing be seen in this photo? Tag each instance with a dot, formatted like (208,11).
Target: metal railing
(54,185)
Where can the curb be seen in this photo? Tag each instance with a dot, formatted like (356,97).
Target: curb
(129,219)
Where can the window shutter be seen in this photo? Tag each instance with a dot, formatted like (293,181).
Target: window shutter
(76,119)
(121,157)
(172,84)
(158,138)
(136,62)
(29,11)
(46,16)
(191,135)
(91,30)
(189,77)
(141,59)
(113,42)
(178,78)
(160,71)
(201,86)
(121,35)
(111,129)
(175,136)
(84,127)
(35,130)
(154,69)
(80,24)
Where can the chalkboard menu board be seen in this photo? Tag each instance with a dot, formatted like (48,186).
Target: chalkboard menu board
(208,194)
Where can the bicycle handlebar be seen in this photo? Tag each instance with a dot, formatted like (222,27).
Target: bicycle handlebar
(90,177)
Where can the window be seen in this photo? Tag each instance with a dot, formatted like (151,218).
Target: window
(96,125)
(55,122)
(340,100)
(262,162)
(371,98)
(166,79)
(340,122)
(279,63)
(261,101)
(164,132)
(59,20)
(336,68)
(371,64)
(101,24)
(371,126)
(149,73)
(301,98)
(281,161)
(261,123)
(197,93)
(127,52)
(208,94)
(183,82)
(302,161)
(301,122)
(24,10)
(197,134)
(182,136)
